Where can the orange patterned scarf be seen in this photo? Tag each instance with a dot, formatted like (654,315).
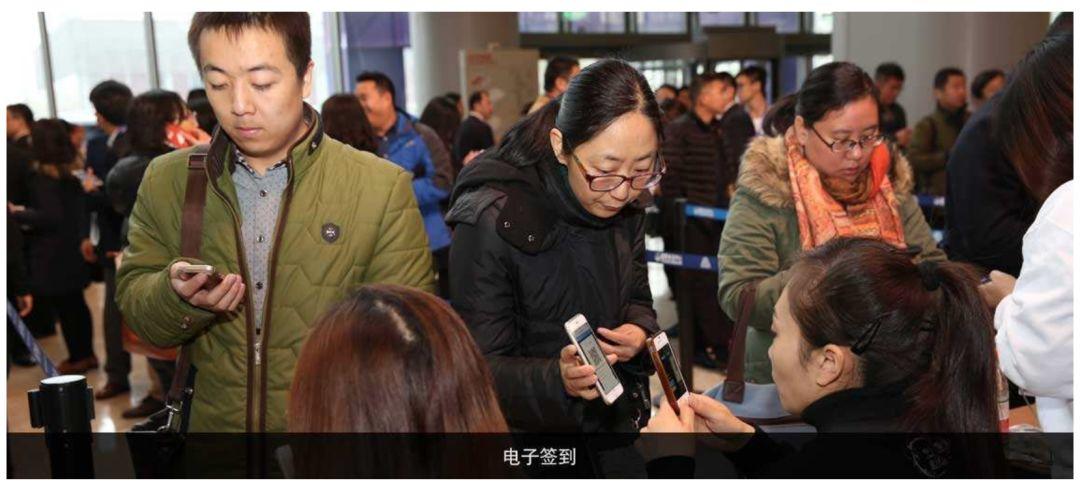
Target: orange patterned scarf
(827,209)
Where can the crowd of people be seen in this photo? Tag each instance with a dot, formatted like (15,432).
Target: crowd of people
(380,272)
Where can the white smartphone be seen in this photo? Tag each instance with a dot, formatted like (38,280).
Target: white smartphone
(589,350)
(667,368)
(212,282)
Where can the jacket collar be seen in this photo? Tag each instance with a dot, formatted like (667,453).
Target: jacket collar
(302,155)
(764,172)
(878,407)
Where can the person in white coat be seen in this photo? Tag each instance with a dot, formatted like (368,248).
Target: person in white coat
(1034,313)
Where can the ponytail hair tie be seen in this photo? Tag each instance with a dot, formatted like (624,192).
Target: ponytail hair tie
(928,272)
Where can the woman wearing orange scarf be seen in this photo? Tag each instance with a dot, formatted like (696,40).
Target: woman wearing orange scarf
(822,171)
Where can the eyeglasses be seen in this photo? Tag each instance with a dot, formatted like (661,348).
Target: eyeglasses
(848,145)
(609,182)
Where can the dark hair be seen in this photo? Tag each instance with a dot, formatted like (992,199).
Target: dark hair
(941,78)
(667,86)
(558,67)
(889,70)
(1033,120)
(23,112)
(204,113)
(391,359)
(149,114)
(196,94)
(111,99)
(476,97)
(671,109)
(1063,24)
(700,82)
(726,78)
(453,96)
(603,92)
(982,79)
(756,74)
(922,325)
(382,82)
(344,120)
(828,87)
(442,116)
(293,27)
(51,143)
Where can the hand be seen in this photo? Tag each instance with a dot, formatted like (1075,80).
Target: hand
(903,136)
(89,183)
(25,304)
(87,250)
(223,298)
(1000,286)
(13,208)
(626,341)
(470,156)
(579,380)
(665,421)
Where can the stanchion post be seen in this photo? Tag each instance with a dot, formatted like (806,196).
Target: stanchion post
(682,299)
(64,405)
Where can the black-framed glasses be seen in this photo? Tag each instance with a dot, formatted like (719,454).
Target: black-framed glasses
(848,145)
(609,182)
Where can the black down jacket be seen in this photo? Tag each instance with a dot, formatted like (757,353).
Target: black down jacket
(524,261)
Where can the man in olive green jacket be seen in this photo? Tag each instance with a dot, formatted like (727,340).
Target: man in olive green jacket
(293,219)
(935,134)
(761,240)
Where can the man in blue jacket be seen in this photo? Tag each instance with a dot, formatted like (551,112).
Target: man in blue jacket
(401,143)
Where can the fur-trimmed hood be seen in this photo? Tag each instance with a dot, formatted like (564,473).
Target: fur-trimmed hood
(764,172)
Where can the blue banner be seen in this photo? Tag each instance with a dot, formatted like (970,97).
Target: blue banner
(706,212)
(931,201)
(683,261)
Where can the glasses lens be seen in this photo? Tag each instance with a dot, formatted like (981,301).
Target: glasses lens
(645,181)
(606,183)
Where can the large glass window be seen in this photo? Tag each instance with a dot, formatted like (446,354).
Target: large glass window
(722,19)
(595,22)
(785,22)
(30,86)
(822,22)
(538,22)
(661,22)
(176,68)
(729,67)
(90,48)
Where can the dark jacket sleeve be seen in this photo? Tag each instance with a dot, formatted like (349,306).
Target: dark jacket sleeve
(16,261)
(639,310)
(45,213)
(737,134)
(482,291)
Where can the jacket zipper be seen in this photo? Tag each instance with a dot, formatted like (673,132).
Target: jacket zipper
(250,318)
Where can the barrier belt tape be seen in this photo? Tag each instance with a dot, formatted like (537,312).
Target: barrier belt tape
(16,321)
(685,261)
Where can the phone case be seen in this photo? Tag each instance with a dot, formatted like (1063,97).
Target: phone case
(661,373)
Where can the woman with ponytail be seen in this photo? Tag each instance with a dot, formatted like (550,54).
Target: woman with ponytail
(868,341)
(822,172)
(547,226)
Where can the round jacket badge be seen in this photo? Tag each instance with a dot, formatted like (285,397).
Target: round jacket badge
(330,232)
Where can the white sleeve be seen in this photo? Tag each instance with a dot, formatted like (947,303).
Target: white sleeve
(1034,323)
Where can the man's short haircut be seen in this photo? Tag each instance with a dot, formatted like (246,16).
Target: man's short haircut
(382,82)
(982,79)
(700,82)
(558,67)
(111,99)
(726,78)
(756,74)
(293,27)
(941,78)
(22,112)
(453,96)
(890,70)
(476,97)
(668,86)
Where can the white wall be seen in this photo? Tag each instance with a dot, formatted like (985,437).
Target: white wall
(438,37)
(922,43)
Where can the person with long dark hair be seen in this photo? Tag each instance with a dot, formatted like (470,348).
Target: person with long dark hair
(823,172)
(546,227)
(868,341)
(57,225)
(347,123)
(1034,313)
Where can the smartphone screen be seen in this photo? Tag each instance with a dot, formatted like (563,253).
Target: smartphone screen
(671,368)
(605,375)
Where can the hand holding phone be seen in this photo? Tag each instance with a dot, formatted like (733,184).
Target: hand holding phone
(203,287)
(596,377)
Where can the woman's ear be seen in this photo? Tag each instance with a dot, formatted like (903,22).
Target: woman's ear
(557,145)
(830,366)
(802,132)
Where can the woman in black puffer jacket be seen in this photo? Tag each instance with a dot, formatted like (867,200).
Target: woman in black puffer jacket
(546,227)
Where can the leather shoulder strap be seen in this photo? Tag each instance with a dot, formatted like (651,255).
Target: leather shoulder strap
(735,381)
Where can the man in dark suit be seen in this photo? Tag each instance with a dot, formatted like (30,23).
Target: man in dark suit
(475,134)
(111,100)
(736,127)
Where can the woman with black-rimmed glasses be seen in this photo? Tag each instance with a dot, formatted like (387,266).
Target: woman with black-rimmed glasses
(822,171)
(548,226)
